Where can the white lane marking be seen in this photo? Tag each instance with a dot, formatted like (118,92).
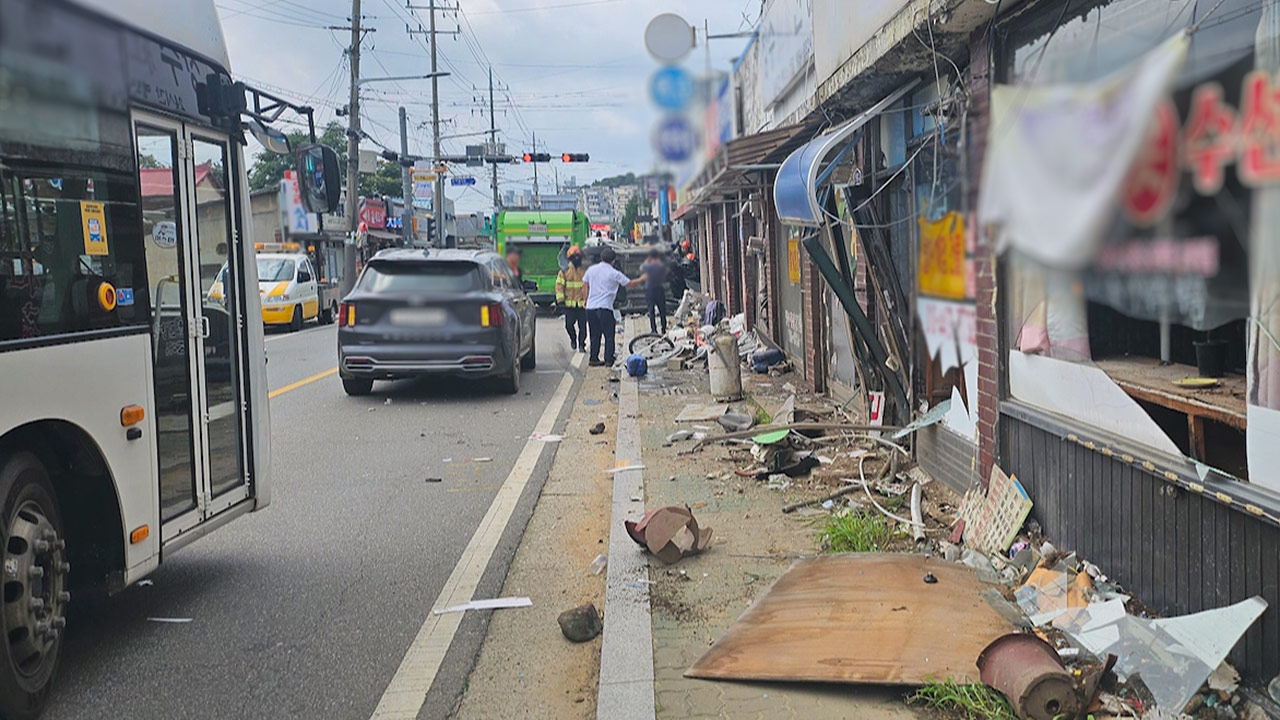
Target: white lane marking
(300,333)
(403,698)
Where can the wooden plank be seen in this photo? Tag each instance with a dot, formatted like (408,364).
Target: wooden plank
(1253,583)
(1147,515)
(1270,553)
(1197,557)
(1222,518)
(1146,379)
(1195,431)
(1239,589)
(860,618)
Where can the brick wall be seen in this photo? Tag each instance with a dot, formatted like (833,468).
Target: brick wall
(814,317)
(979,82)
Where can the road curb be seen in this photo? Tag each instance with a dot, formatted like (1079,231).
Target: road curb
(626,652)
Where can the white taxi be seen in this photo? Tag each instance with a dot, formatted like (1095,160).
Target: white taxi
(287,286)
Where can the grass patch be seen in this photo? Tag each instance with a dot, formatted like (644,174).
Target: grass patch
(855,532)
(972,702)
(894,503)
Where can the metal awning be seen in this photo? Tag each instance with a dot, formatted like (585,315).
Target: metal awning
(726,167)
(795,189)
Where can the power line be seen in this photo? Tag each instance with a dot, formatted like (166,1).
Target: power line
(536,8)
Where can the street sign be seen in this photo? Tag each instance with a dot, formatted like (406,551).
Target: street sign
(424,177)
(462,181)
(671,88)
(368,162)
(475,155)
(668,37)
(675,139)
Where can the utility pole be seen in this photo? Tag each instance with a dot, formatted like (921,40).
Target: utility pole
(406,186)
(537,199)
(438,202)
(353,155)
(493,142)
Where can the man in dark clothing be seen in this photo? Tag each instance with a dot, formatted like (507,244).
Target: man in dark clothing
(655,273)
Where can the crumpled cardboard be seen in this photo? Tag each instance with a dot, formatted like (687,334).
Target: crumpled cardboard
(670,533)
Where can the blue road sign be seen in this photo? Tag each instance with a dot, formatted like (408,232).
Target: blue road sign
(675,139)
(462,181)
(671,88)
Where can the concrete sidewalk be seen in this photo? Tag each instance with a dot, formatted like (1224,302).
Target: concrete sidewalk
(527,669)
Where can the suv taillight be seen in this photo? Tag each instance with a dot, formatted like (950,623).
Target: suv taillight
(346,315)
(491,315)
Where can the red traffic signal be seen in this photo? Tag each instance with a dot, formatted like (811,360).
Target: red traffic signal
(536,157)
(575,157)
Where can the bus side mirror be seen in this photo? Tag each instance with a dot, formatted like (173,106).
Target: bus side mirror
(319,178)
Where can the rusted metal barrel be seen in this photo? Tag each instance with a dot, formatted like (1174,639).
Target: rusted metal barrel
(1029,673)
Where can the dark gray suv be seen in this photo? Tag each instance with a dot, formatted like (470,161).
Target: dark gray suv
(428,312)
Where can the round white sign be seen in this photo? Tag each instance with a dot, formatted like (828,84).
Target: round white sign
(165,234)
(668,38)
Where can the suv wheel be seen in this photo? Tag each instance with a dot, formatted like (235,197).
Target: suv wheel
(295,322)
(510,383)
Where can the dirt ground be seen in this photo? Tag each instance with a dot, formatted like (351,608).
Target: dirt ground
(526,668)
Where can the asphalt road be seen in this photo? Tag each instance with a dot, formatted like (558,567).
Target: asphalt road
(305,609)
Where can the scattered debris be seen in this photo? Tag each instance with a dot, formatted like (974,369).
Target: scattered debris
(596,429)
(736,421)
(175,620)
(580,624)
(1029,673)
(435,479)
(670,533)
(833,619)
(146,582)
(679,435)
(930,579)
(546,437)
(992,519)
(491,604)
(597,566)
(696,412)
(935,414)
(624,468)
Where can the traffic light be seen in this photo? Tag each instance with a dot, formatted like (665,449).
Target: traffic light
(537,157)
(575,157)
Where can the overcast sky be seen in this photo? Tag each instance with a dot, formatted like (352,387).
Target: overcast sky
(574,72)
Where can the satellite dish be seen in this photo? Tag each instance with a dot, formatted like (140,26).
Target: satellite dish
(668,37)
(269,138)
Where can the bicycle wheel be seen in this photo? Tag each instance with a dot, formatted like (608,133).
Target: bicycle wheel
(650,345)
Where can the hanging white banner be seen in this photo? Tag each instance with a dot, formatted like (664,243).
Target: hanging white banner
(1058,154)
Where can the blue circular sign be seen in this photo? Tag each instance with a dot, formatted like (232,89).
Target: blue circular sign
(674,139)
(671,88)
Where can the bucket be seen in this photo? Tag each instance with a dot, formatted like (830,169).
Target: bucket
(726,372)
(1211,358)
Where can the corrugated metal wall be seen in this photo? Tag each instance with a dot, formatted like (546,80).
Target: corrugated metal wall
(1177,551)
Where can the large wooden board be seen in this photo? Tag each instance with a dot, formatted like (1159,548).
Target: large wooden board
(860,618)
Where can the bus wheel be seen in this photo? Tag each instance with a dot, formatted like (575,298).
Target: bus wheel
(295,322)
(35,597)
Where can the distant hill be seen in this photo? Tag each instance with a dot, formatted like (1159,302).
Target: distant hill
(616,181)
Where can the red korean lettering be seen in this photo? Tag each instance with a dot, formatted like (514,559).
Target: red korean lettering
(1210,141)
(1152,182)
(1259,130)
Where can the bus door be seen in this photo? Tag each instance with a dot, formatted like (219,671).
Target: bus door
(187,182)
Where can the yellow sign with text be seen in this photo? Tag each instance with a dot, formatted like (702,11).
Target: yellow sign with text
(941,271)
(93,216)
(793,259)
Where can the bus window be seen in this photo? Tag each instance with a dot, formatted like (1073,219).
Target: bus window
(70,255)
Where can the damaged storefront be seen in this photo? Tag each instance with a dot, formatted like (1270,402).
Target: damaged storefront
(1128,190)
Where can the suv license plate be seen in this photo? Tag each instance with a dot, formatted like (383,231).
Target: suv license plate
(426,317)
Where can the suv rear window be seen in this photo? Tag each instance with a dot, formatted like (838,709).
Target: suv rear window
(439,277)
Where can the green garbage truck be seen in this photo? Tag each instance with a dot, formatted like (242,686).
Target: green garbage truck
(544,238)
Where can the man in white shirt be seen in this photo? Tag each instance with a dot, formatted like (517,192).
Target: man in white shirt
(600,284)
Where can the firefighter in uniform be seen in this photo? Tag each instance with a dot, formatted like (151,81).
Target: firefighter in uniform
(571,301)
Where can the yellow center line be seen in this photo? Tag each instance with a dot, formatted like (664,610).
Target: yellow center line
(300,383)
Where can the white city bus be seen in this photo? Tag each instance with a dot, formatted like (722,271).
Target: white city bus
(133,408)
